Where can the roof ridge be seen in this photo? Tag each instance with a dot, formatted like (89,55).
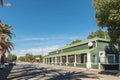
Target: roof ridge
(79,43)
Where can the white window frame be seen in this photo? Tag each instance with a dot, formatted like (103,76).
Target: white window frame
(113,58)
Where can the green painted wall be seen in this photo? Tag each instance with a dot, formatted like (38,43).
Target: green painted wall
(75,48)
(107,47)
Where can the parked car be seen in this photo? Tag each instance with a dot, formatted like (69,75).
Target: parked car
(12,62)
(6,63)
(2,66)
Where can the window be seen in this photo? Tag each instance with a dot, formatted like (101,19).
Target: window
(71,59)
(83,58)
(110,58)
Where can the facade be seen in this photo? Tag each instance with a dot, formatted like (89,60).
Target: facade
(94,53)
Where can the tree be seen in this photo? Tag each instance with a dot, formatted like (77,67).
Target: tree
(75,41)
(21,58)
(12,57)
(99,33)
(108,15)
(38,58)
(29,57)
(5,36)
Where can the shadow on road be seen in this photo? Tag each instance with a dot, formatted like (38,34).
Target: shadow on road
(46,73)
(113,73)
(73,76)
(5,72)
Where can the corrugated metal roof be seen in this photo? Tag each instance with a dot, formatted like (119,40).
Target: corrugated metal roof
(72,52)
(80,43)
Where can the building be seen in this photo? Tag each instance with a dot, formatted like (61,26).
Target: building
(94,53)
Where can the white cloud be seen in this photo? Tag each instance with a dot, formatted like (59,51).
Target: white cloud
(49,38)
(36,39)
(33,44)
(35,51)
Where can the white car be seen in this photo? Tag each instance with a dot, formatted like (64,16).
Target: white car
(6,64)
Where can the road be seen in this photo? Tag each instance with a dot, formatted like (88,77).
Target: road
(28,71)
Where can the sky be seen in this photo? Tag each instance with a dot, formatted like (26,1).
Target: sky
(41,26)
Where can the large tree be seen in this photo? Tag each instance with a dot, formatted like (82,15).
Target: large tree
(38,58)
(12,57)
(99,33)
(75,41)
(5,36)
(29,57)
(108,15)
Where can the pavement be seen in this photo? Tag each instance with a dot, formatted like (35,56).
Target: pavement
(39,71)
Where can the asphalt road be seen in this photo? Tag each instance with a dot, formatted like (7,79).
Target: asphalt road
(28,71)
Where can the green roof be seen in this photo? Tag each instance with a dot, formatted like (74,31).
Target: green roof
(80,43)
(72,52)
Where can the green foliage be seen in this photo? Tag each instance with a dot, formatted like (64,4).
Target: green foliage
(5,37)
(21,58)
(99,33)
(38,58)
(29,57)
(12,57)
(108,15)
(75,41)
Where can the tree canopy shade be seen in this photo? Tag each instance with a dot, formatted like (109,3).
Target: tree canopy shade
(108,15)
(99,33)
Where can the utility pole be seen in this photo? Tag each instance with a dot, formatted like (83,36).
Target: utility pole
(43,55)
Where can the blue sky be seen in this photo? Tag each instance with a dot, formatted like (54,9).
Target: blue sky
(48,24)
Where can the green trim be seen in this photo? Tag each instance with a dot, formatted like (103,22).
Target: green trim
(63,64)
(71,64)
(94,66)
(80,43)
(82,65)
(72,52)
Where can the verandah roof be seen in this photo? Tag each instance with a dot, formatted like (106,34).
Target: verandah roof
(72,52)
(80,43)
